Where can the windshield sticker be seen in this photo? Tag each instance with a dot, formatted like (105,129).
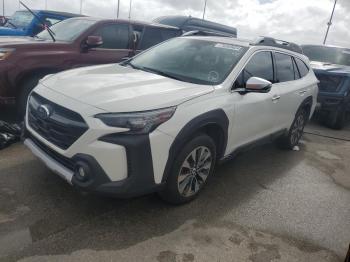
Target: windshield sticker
(228,46)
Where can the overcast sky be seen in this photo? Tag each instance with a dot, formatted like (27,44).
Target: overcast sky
(302,21)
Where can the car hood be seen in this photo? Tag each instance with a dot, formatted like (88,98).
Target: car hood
(115,88)
(330,68)
(11,31)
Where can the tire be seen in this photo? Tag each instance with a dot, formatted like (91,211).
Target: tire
(292,138)
(25,89)
(187,177)
(337,119)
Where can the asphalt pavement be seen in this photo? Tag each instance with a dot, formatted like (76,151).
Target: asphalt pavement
(265,205)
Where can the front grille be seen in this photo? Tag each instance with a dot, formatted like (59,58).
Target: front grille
(60,126)
(329,83)
(66,162)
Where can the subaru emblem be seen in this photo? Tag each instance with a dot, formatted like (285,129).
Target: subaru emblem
(43,112)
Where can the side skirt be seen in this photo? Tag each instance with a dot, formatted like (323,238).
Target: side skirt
(246,147)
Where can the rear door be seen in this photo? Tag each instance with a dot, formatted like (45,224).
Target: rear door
(116,45)
(291,87)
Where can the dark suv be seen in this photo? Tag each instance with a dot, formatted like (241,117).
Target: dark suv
(75,43)
(332,68)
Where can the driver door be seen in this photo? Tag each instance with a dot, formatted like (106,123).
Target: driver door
(115,47)
(253,116)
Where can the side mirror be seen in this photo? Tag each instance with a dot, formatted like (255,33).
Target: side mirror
(94,41)
(259,85)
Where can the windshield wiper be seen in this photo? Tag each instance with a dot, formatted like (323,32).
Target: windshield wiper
(51,33)
(162,73)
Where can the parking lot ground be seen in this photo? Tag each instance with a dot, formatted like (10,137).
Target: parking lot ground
(265,205)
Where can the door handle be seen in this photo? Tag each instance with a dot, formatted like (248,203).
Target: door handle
(276,97)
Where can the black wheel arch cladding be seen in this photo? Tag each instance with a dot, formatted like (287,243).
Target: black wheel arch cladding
(215,117)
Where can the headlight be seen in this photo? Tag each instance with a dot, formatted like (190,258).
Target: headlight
(5,52)
(138,122)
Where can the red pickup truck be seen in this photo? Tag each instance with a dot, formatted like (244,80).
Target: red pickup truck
(74,43)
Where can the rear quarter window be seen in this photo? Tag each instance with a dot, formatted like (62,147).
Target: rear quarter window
(303,69)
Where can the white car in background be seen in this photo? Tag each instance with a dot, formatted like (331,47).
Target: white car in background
(160,121)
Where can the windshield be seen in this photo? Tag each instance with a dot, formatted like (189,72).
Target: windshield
(333,55)
(67,30)
(191,60)
(20,19)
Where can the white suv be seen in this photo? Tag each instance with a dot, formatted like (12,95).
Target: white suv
(162,120)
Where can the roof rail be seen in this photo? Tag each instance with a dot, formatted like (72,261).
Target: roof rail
(269,41)
(205,33)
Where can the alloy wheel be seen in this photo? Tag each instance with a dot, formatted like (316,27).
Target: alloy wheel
(194,171)
(298,129)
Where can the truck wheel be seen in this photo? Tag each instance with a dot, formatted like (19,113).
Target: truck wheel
(190,171)
(292,138)
(337,119)
(25,89)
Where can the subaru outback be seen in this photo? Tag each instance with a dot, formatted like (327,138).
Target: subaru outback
(160,121)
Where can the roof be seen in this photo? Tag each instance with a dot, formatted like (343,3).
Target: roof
(134,22)
(179,21)
(54,13)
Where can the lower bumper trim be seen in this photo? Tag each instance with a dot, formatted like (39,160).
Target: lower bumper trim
(49,162)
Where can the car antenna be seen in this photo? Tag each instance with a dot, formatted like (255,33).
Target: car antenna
(51,33)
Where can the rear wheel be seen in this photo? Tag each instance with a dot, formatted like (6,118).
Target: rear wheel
(295,132)
(191,170)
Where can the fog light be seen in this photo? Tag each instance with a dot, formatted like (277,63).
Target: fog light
(82,172)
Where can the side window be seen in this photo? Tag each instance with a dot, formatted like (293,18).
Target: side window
(114,36)
(153,36)
(284,67)
(303,69)
(296,71)
(260,65)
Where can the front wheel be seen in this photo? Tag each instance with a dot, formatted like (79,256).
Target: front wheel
(191,170)
(295,132)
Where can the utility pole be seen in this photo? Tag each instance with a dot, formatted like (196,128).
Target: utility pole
(130,9)
(45,4)
(81,6)
(118,8)
(3,8)
(205,7)
(330,22)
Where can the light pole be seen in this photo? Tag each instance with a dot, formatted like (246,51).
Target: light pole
(205,7)
(118,8)
(330,22)
(3,8)
(45,4)
(81,6)
(130,9)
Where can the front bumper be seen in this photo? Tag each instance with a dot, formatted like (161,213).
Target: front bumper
(119,165)
(140,180)
(330,102)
